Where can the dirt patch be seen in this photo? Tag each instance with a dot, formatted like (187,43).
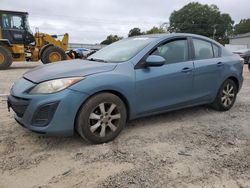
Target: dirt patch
(195,147)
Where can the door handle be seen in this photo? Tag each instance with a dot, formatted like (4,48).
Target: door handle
(219,64)
(186,69)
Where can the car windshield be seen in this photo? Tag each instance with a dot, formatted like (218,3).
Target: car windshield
(122,50)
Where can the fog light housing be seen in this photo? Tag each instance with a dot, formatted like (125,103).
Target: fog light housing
(44,114)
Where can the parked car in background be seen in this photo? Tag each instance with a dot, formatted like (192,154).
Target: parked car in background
(80,53)
(92,51)
(83,53)
(129,79)
(244,53)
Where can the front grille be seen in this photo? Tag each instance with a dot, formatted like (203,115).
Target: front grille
(44,114)
(18,105)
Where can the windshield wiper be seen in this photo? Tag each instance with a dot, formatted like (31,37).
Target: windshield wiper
(97,60)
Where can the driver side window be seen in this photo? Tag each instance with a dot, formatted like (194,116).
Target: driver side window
(174,51)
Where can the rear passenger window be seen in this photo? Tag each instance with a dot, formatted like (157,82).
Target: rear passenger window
(203,49)
(216,51)
(174,51)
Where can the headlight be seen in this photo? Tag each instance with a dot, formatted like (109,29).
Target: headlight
(54,86)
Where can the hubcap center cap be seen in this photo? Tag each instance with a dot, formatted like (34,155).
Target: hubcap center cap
(105,119)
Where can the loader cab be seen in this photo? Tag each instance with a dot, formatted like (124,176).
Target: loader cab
(15,28)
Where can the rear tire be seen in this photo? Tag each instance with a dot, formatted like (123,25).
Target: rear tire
(226,96)
(53,54)
(101,118)
(5,58)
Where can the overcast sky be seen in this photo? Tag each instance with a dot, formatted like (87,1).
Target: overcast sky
(91,21)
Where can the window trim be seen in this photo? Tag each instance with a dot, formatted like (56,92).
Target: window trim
(219,50)
(212,44)
(141,63)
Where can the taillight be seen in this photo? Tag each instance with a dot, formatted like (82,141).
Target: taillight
(242,61)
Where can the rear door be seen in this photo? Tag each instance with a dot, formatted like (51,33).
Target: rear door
(208,69)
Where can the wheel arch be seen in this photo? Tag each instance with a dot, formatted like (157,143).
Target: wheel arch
(114,92)
(122,97)
(236,81)
(231,77)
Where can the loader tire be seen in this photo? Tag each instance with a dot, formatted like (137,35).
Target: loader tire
(5,58)
(53,54)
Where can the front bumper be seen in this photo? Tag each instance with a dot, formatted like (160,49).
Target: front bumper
(51,114)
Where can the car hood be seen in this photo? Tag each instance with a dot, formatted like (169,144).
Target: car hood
(64,69)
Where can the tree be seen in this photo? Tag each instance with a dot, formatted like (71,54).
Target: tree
(110,39)
(135,32)
(242,27)
(156,30)
(202,19)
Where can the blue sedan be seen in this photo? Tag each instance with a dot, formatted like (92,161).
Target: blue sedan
(129,79)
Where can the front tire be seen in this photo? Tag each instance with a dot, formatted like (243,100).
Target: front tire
(226,96)
(53,54)
(5,58)
(101,118)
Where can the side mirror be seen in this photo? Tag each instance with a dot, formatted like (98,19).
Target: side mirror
(155,61)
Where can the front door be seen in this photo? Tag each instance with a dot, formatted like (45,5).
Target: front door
(168,86)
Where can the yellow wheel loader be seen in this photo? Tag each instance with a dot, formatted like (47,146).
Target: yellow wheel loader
(17,43)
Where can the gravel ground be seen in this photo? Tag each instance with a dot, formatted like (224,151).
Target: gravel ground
(195,147)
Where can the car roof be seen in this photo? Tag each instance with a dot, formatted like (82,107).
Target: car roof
(170,35)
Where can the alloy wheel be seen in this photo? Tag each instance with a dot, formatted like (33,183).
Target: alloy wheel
(228,95)
(104,120)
